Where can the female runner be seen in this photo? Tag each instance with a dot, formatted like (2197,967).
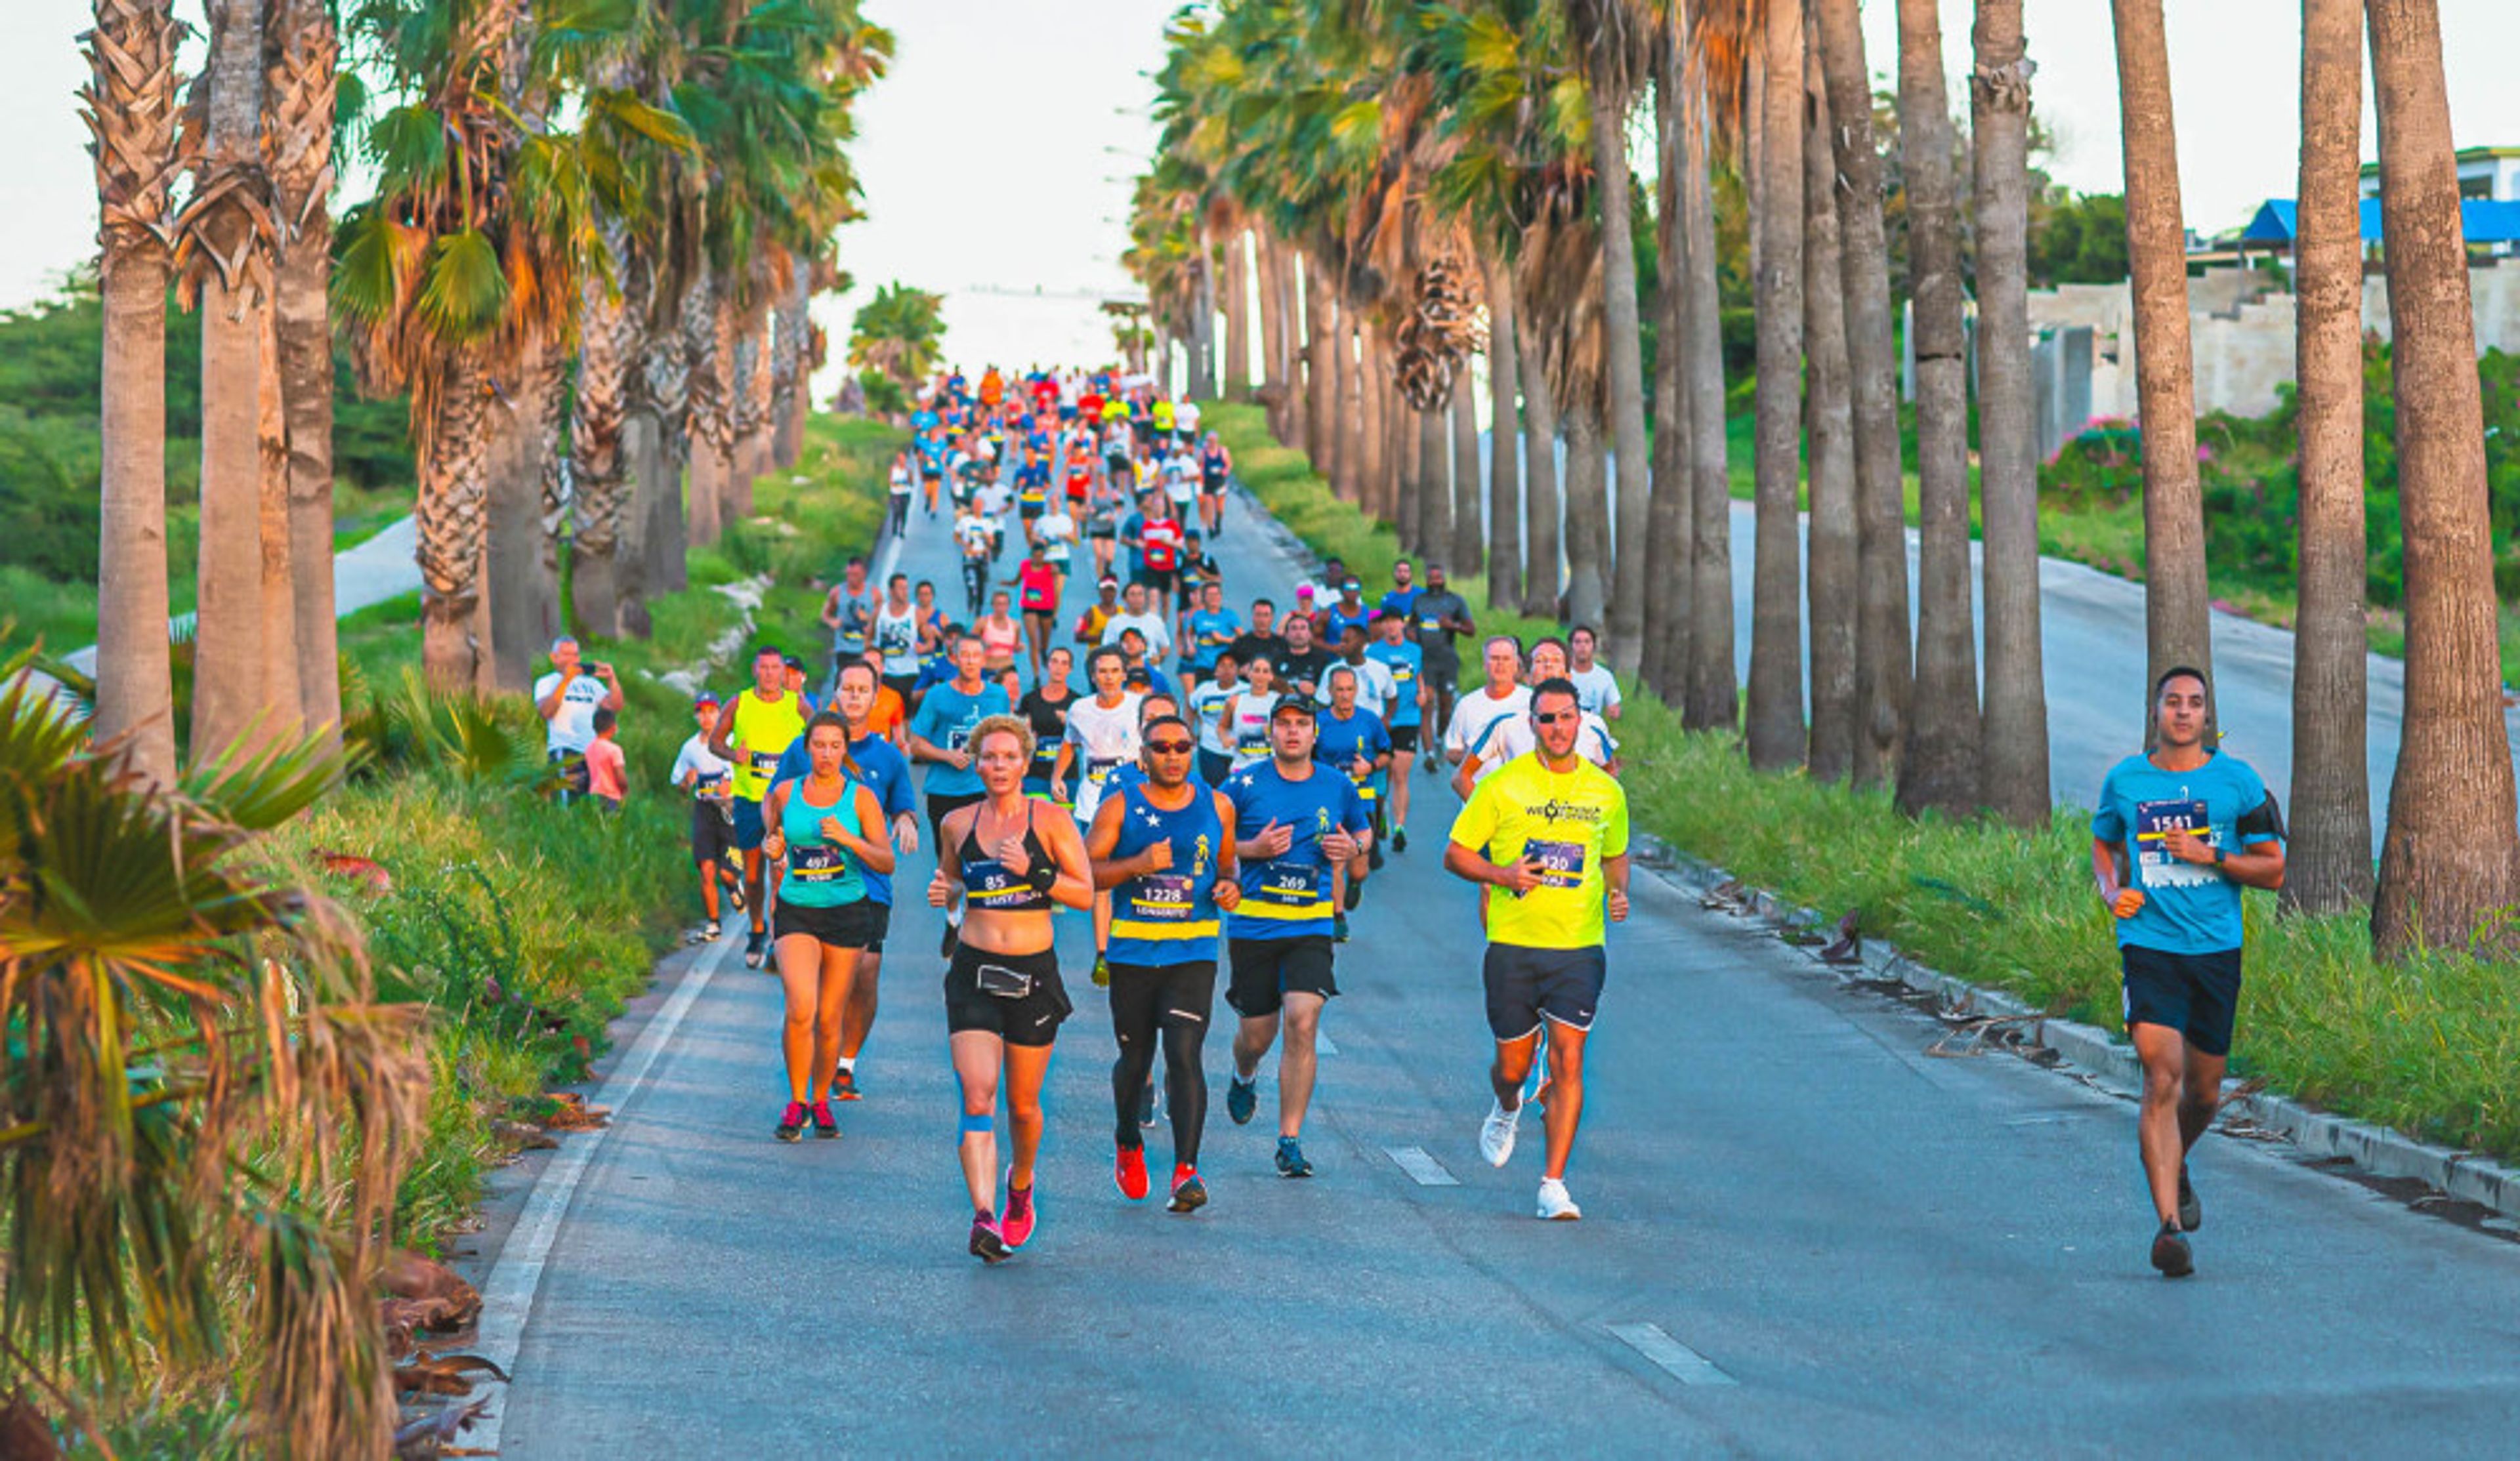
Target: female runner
(1014,860)
(829,827)
(1000,636)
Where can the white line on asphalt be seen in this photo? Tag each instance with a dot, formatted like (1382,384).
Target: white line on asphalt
(1675,1359)
(1323,1043)
(508,1297)
(1416,1161)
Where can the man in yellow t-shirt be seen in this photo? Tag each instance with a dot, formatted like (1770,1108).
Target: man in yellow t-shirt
(753,733)
(1548,832)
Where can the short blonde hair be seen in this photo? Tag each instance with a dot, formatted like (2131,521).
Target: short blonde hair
(1003,724)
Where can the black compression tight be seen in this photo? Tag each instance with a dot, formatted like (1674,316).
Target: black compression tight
(1185,1084)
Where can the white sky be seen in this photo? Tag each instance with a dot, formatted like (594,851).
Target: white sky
(995,156)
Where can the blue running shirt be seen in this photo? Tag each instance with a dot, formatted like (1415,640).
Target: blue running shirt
(1288,897)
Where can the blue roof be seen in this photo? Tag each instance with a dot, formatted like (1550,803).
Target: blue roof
(2484,220)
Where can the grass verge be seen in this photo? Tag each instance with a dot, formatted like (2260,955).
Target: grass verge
(2431,1046)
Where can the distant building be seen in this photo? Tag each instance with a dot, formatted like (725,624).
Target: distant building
(2484,172)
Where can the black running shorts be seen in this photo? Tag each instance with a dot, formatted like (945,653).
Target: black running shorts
(1267,970)
(2197,994)
(1029,1019)
(1404,738)
(1527,986)
(1146,996)
(844,925)
(881,912)
(941,805)
(713,833)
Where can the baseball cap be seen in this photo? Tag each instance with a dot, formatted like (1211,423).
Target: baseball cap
(1303,590)
(792,662)
(1300,704)
(705,697)
(1107,582)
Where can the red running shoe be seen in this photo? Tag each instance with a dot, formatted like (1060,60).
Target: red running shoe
(825,1127)
(1190,1194)
(1017,1225)
(1129,1169)
(791,1122)
(987,1244)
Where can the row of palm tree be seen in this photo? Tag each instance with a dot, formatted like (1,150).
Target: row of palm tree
(604,218)
(1348,165)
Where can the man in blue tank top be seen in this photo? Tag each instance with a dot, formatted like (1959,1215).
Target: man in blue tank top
(1163,845)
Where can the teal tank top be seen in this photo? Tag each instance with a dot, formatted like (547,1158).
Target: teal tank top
(820,874)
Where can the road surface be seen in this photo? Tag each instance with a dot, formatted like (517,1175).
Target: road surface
(1804,1235)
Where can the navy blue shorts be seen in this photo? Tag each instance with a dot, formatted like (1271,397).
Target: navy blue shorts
(2197,994)
(747,824)
(1527,986)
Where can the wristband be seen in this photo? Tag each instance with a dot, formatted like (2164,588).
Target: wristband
(1041,875)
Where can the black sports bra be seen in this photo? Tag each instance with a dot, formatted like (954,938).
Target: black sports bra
(988,885)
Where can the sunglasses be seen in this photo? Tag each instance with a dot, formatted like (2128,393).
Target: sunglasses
(1552,718)
(1169,747)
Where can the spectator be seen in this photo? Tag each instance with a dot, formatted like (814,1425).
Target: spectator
(567,699)
(607,770)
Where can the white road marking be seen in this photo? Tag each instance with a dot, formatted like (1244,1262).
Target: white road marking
(508,1294)
(1675,1359)
(1323,1043)
(1424,1168)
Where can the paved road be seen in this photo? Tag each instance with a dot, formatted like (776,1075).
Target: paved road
(2091,638)
(1882,1252)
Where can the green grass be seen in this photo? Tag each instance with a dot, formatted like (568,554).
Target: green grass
(2431,1046)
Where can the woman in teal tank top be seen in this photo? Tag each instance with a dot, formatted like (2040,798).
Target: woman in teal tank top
(829,828)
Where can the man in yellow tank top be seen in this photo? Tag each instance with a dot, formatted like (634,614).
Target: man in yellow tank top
(755,730)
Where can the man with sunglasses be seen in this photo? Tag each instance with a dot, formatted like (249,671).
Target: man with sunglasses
(1162,848)
(1546,835)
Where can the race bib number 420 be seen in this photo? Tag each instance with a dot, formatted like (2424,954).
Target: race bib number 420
(2154,821)
(1562,863)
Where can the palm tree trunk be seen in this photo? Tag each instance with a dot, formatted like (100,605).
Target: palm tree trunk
(608,344)
(1463,554)
(1376,490)
(1834,553)
(130,107)
(1664,668)
(515,540)
(1629,481)
(1776,733)
(2014,734)
(2328,862)
(1321,372)
(2175,602)
(1881,660)
(1267,281)
(1237,316)
(1542,562)
(790,385)
(1939,769)
(665,393)
(1504,438)
(1435,480)
(1587,585)
(2450,867)
(1293,354)
(235,310)
(641,457)
(1202,322)
(300,112)
(552,400)
(1713,701)
(708,344)
(1347,454)
(282,706)
(452,502)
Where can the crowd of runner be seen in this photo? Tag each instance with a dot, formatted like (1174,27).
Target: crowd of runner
(1214,786)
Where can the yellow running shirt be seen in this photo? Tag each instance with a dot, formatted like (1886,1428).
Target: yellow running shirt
(1569,823)
(763,732)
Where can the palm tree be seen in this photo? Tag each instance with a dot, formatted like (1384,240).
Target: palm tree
(607,347)
(2014,734)
(1776,733)
(129,105)
(1321,368)
(1464,555)
(1545,557)
(1238,309)
(899,334)
(1504,460)
(1939,769)
(225,256)
(1829,422)
(2327,863)
(1713,700)
(1881,661)
(298,117)
(1668,524)
(2450,865)
(2175,603)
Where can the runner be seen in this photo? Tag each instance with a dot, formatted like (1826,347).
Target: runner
(1442,616)
(710,780)
(1135,613)
(1162,848)
(829,829)
(1038,580)
(1502,701)
(1352,740)
(1261,639)
(1206,704)
(1243,718)
(890,717)
(1303,664)
(1294,822)
(2178,833)
(1208,631)
(883,770)
(896,636)
(1000,636)
(1044,709)
(752,737)
(1099,614)
(1599,687)
(1347,613)
(940,734)
(848,612)
(1406,662)
(904,480)
(1102,733)
(1004,1001)
(1215,471)
(971,534)
(1517,737)
(1557,829)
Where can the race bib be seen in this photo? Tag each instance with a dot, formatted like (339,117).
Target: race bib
(711,785)
(1099,767)
(1562,863)
(990,886)
(764,761)
(1429,626)
(958,737)
(1162,897)
(2154,821)
(1293,884)
(818,863)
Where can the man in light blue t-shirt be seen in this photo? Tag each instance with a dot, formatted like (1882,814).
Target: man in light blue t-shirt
(940,736)
(2179,831)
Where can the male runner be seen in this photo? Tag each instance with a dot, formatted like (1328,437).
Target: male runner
(2163,842)
(766,719)
(940,733)
(1136,613)
(1405,662)
(1294,822)
(711,781)
(1162,847)
(848,612)
(1479,717)
(1261,640)
(1599,687)
(1556,826)
(1518,738)
(1352,740)
(1208,631)
(1442,617)
(1102,732)
(1301,666)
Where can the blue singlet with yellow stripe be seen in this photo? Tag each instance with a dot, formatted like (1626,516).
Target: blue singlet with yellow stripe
(1167,917)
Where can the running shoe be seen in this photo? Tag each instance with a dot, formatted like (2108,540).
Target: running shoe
(1129,1169)
(753,945)
(1241,1098)
(844,1084)
(945,944)
(1291,1159)
(1017,1226)
(791,1122)
(1190,1194)
(1355,895)
(734,892)
(1373,857)
(2192,1212)
(1496,1133)
(710,932)
(825,1126)
(2171,1252)
(1399,835)
(988,1245)
(1338,923)
(1102,971)
(1147,1105)
(1555,1205)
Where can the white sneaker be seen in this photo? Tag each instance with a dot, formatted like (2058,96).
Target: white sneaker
(1496,1133)
(709,932)
(1555,1205)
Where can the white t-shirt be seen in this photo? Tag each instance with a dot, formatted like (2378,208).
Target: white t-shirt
(1519,738)
(1206,698)
(1597,690)
(1160,639)
(1374,686)
(972,533)
(1477,719)
(1180,481)
(897,637)
(901,479)
(993,498)
(1105,738)
(1185,417)
(572,723)
(1055,528)
(714,770)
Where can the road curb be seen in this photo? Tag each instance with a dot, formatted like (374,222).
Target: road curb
(2321,1134)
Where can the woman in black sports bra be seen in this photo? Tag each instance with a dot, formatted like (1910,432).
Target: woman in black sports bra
(1016,861)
